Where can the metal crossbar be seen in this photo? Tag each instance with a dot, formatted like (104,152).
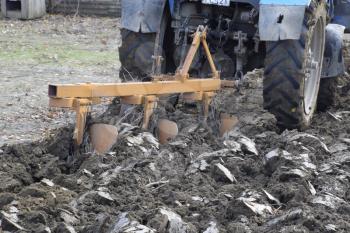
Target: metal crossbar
(80,97)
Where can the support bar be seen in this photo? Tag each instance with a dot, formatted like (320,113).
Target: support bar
(91,90)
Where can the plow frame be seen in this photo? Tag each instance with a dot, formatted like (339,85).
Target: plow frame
(80,97)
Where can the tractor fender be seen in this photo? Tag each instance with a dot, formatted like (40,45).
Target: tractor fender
(281,20)
(333,62)
(142,15)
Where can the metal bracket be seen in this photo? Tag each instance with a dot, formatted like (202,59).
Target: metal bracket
(150,103)
(207,98)
(82,107)
(200,37)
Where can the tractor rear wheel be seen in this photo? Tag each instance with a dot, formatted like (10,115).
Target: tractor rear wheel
(293,70)
(135,55)
(137,51)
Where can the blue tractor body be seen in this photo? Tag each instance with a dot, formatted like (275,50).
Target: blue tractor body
(145,16)
(341,14)
(284,37)
(150,11)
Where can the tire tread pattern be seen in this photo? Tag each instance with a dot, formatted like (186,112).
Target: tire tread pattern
(284,76)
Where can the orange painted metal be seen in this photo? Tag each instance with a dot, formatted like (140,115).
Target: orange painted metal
(80,96)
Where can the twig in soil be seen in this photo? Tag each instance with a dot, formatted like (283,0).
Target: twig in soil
(126,114)
(132,78)
(77,10)
(160,186)
(157,183)
(335,116)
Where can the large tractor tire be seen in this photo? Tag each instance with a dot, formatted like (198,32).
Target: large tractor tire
(138,49)
(293,71)
(135,55)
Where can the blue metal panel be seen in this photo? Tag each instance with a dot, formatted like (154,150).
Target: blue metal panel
(333,62)
(342,13)
(286,2)
(342,20)
(142,15)
(172,5)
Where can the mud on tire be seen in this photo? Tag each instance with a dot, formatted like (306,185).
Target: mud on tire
(286,67)
(346,52)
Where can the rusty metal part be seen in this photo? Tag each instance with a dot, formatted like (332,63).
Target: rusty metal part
(82,107)
(199,38)
(150,103)
(103,137)
(167,130)
(227,123)
(81,96)
(229,83)
(207,98)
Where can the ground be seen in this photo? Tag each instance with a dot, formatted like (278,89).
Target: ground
(255,178)
(55,49)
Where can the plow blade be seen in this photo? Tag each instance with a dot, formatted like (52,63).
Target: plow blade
(103,137)
(167,130)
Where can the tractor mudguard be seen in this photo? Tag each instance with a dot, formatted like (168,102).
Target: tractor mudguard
(142,15)
(342,13)
(281,20)
(333,63)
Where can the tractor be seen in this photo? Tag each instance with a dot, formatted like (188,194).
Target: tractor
(297,42)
